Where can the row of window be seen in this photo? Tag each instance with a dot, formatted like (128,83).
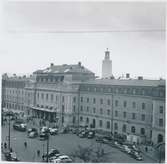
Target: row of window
(50,79)
(100,122)
(95,101)
(93,111)
(143,116)
(133,91)
(14,106)
(133,129)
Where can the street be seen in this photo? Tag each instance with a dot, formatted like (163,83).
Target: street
(65,143)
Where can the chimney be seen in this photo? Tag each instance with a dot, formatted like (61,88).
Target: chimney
(127,75)
(79,63)
(140,77)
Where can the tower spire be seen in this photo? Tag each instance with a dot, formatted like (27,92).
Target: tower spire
(107,65)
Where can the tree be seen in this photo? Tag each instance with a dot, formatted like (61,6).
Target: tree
(92,153)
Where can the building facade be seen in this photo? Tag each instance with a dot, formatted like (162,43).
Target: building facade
(71,95)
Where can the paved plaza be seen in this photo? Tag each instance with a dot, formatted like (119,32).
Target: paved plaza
(65,143)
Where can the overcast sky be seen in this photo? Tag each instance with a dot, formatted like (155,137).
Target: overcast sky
(36,34)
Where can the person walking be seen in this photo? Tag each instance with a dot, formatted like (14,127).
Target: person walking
(5,145)
(25,144)
(38,153)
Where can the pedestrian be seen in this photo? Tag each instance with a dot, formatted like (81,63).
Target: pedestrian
(38,153)
(146,149)
(5,145)
(43,157)
(25,144)
(11,150)
(2,146)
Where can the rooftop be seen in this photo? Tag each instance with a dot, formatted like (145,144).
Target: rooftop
(65,69)
(130,82)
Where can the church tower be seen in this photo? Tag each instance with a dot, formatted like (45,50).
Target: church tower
(107,65)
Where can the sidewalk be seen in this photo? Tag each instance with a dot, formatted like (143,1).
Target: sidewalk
(151,153)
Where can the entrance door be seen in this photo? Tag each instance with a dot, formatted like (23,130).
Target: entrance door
(160,138)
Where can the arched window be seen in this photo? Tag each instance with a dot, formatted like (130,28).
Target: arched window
(133,129)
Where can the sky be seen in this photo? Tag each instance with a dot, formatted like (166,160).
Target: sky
(35,34)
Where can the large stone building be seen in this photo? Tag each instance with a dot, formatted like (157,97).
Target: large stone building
(71,95)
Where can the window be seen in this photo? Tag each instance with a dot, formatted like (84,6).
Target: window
(161,109)
(115,126)
(125,104)
(108,102)
(62,98)
(133,129)
(101,111)
(134,105)
(108,124)
(100,123)
(124,114)
(87,109)
(51,97)
(87,120)
(74,108)
(161,122)
(47,96)
(124,128)
(94,101)
(116,113)
(143,105)
(133,116)
(108,112)
(74,99)
(81,99)
(101,101)
(87,100)
(142,131)
(81,118)
(116,102)
(94,110)
(62,108)
(81,108)
(143,117)
(42,96)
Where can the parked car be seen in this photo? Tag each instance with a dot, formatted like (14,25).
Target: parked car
(83,134)
(43,136)
(52,153)
(11,156)
(32,133)
(44,129)
(53,130)
(136,155)
(62,159)
(19,125)
(91,134)
(51,159)
(126,149)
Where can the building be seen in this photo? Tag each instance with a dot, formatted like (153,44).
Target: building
(71,95)
(107,65)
